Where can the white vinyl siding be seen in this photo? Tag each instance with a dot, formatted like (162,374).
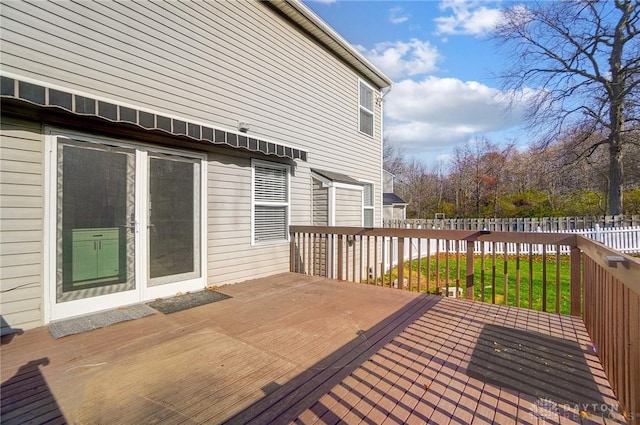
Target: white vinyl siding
(349,213)
(270,191)
(158,55)
(348,207)
(21,213)
(366,109)
(320,204)
(231,255)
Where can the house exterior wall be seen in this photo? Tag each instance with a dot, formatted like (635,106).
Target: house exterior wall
(210,62)
(320,204)
(387,182)
(22,211)
(231,257)
(216,63)
(387,212)
(348,207)
(320,211)
(394,212)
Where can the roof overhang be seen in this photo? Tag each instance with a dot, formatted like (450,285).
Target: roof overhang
(391,199)
(308,20)
(333,179)
(41,96)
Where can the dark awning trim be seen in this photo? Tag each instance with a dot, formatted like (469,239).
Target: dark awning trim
(81,105)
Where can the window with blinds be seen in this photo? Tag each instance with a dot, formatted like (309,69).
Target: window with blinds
(270,191)
(366,109)
(367,205)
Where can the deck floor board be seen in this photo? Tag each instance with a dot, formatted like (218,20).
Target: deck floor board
(307,350)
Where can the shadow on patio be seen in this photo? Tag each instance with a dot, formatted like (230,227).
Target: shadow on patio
(292,348)
(440,360)
(284,403)
(26,397)
(551,369)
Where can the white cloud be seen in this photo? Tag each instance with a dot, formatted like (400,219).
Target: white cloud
(397,15)
(470,17)
(438,113)
(403,59)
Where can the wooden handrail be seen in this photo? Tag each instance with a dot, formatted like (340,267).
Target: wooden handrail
(626,270)
(468,235)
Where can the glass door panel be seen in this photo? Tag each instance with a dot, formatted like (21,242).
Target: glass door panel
(173,219)
(95,216)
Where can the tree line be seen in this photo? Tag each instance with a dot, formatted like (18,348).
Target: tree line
(484,179)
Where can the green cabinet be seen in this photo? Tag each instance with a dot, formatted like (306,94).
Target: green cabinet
(95,254)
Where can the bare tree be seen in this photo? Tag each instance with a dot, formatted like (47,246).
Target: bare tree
(582,60)
(393,158)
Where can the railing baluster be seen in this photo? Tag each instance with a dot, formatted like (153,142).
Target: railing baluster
(340,239)
(400,263)
(530,275)
(383,262)
(505,278)
(410,286)
(428,266)
(544,277)
(317,255)
(438,241)
(482,271)
(469,271)
(518,275)
(328,254)
(361,245)
(368,250)
(375,260)
(419,263)
(458,249)
(309,259)
(292,253)
(391,262)
(353,250)
(575,281)
(446,267)
(558,287)
(493,273)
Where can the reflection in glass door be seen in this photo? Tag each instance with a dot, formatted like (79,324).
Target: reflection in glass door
(173,219)
(95,215)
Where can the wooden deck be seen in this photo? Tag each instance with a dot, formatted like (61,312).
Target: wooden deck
(299,349)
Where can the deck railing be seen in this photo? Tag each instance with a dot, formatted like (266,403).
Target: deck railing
(553,272)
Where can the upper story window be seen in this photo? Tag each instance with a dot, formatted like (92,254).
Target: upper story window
(270,190)
(366,109)
(367,205)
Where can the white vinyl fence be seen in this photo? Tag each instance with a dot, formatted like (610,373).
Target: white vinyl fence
(625,240)
(622,239)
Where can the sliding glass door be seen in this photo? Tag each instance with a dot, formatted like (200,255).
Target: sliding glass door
(95,220)
(128,224)
(173,219)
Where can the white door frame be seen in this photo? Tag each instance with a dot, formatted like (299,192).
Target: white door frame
(142,292)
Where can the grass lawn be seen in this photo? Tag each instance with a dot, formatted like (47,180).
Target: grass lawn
(490,274)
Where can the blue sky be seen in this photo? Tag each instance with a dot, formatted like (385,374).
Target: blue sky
(444,68)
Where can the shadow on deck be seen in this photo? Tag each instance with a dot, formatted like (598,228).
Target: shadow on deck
(297,349)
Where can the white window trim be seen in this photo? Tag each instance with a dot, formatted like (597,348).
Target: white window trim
(373,199)
(254,203)
(372,112)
